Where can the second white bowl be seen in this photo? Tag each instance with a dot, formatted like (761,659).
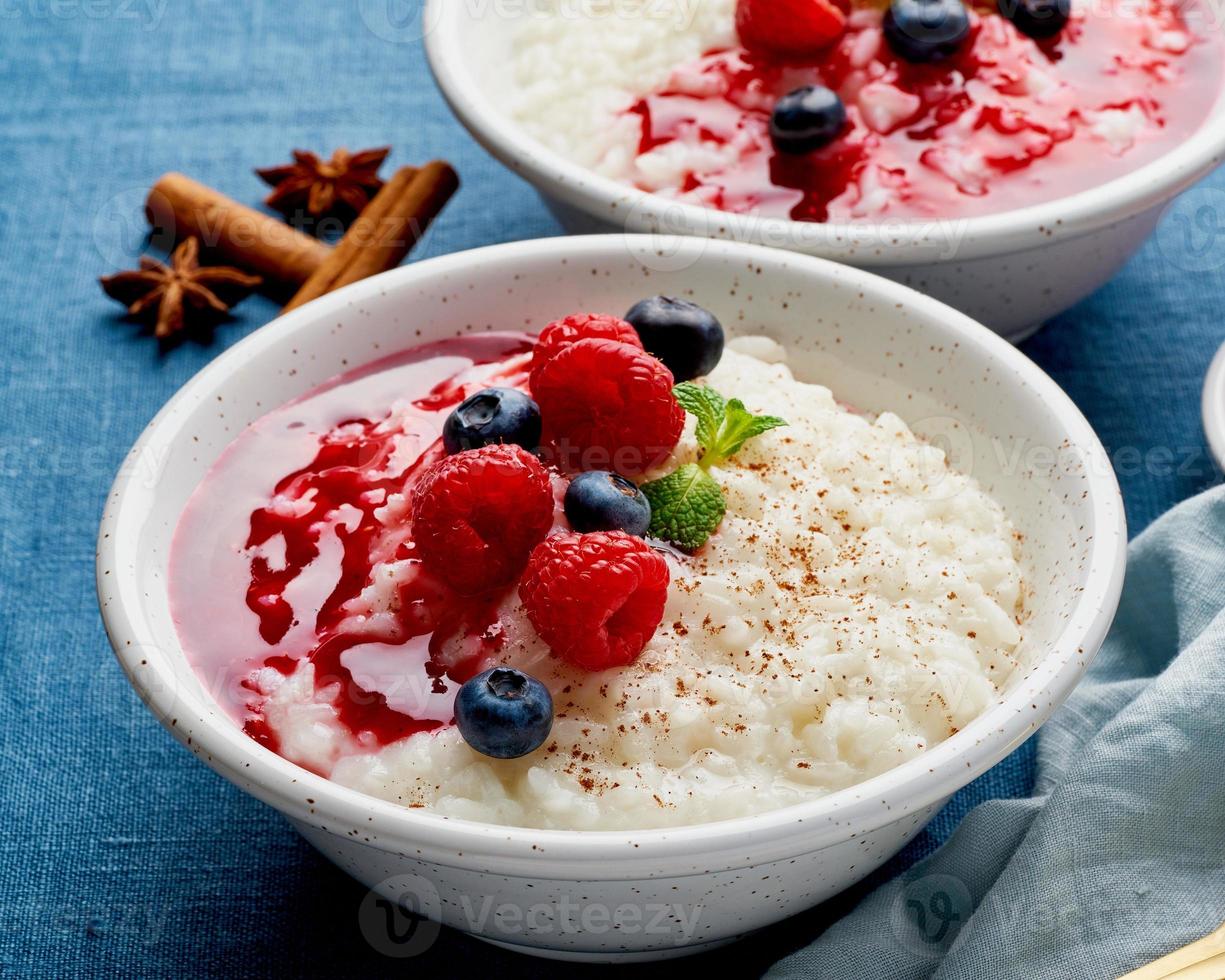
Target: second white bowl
(1012,271)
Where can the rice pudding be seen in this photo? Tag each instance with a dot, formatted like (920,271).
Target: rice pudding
(669,96)
(854,603)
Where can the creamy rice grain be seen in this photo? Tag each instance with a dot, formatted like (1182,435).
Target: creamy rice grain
(578,64)
(859,605)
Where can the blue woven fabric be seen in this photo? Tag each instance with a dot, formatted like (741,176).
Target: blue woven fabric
(119,853)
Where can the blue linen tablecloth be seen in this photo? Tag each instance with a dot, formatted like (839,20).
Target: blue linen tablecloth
(119,854)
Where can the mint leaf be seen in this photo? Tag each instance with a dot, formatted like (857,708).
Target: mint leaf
(739,425)
(687,506)
(706,405)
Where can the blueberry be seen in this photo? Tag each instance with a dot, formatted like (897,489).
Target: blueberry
(808,119)
(602,501)
(504,713)
(495,415)
(687,338)
(926,30)
(1039,19)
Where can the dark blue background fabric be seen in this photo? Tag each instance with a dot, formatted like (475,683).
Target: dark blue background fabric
(119,853)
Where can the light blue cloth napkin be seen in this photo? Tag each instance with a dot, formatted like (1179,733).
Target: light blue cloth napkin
(1119,856)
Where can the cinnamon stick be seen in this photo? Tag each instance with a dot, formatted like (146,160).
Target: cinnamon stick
(232,233)
(386,230)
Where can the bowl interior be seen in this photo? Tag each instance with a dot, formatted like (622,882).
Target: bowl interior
(879,347)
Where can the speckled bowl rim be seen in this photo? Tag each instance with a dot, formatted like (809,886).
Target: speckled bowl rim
(889,244)
(1213,407)
(604,855)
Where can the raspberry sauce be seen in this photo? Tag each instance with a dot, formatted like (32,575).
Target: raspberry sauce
(1006,123)
(274,559)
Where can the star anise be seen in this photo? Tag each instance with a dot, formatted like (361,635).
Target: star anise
(180,296)
(343,184)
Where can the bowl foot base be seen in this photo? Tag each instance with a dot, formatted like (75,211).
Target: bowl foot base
(612,956)
(1018,335)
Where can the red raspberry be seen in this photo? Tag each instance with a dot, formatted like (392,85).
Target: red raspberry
(790,28)
(607,405)
(478,514)
(580,326)
(595,599)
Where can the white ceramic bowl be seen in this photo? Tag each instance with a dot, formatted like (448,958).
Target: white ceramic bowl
(877,344)
(1213,407)
(1011,271)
